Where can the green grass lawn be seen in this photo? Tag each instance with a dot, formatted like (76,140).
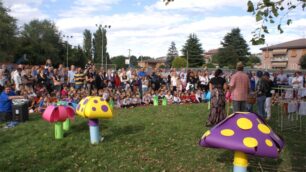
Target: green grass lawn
(139,139)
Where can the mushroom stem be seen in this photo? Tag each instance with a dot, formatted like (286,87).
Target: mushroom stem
(240,162)
(66,124)
(94,131)
(59,133)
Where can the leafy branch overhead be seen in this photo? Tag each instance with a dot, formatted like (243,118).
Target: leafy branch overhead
(269,13)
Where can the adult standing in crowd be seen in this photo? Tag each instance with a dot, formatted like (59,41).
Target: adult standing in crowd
(217,87)
(239,85)
(79,78)
(71,74)
(297,81)
(282,78)
(261,91)
(270,85)
(6,98)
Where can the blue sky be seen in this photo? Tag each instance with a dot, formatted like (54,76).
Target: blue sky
(147,27)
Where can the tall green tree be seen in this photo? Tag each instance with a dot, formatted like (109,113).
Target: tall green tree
(193,51)
(77,56)
(172,53)
(87,43)
(97,46)
(226,57)
(40,40)
(8,31)
(235,40)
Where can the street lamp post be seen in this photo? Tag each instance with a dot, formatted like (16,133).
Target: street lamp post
(102,30)
(67,53)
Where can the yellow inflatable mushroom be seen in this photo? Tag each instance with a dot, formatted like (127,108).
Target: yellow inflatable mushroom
(93,108)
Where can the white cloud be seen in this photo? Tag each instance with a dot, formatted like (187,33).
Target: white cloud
(88,7)
(196,5)
(25,10)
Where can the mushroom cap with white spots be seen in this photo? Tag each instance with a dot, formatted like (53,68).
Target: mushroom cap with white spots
(246,132)
(94,107)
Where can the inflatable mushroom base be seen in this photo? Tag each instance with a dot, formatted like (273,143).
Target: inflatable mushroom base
(57,115)
(244,133)
(93,108)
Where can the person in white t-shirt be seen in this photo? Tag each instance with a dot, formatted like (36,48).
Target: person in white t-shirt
(174,81)
(297,81)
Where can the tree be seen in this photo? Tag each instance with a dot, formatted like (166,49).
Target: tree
(40,40)
(192,50)
(141,58)
(119,61)
(77,56)
(235,40)
(8,31)
(179,62)
(227,57)
(267,12)
(172,53)
(97,46)
(87,43)
(303,62)
(252,60)
(134,61)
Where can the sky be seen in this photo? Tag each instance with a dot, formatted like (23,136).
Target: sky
(148,27)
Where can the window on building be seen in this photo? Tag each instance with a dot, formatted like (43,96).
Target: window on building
(293,53)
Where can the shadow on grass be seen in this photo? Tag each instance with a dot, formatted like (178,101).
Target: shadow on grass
(125,130)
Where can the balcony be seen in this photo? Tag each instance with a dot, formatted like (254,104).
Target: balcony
(279,59)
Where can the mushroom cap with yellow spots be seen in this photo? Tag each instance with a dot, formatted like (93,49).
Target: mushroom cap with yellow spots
(245,132)
(94,107)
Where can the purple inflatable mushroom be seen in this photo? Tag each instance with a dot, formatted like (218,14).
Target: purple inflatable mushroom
(244,133)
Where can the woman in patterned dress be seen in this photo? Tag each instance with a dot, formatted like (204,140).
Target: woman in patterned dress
(217,87)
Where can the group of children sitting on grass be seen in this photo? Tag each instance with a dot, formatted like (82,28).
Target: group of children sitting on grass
(118,98)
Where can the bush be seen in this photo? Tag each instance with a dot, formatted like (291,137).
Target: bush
(303,61)
(179,62)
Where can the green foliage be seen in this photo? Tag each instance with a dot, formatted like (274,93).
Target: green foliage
(234,49)
(119,61)
(40,40)
(210,65)
(235,40)
(227,57)
(97,46)
(179,62)
(8,31)
(140,58)
(136,139)
(268,11)
(87,43)
(252,60)
(303,62)
(134,61)
(172,53)
(193,51)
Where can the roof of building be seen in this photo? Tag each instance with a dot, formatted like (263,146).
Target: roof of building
(212,51)
(298,43)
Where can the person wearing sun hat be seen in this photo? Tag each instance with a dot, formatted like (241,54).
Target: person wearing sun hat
(239,85)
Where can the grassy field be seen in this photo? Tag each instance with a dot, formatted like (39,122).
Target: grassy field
(139,139)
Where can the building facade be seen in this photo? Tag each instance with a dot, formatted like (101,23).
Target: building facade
(286,55)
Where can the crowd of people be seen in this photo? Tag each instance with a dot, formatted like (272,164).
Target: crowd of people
(46,84)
